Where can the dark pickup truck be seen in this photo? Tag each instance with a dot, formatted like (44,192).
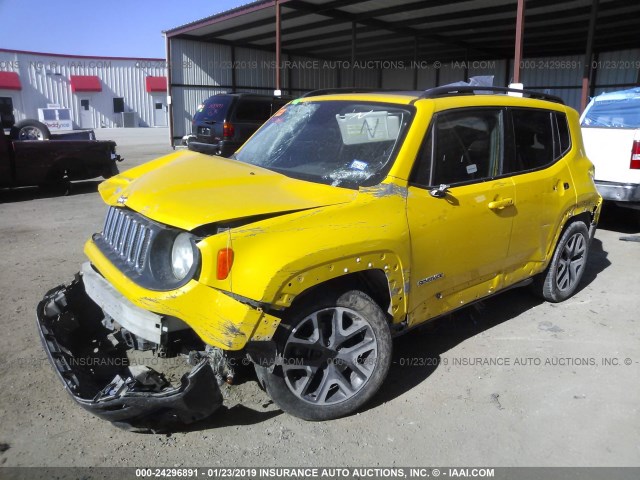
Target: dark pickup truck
(55,162)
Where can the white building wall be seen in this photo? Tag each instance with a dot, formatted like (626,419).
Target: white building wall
(47,79)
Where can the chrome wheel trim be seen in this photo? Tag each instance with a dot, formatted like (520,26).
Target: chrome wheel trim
(571,262)
(329,356)
(30,133)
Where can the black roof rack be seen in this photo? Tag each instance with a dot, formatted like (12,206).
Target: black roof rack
(332,91)
(446,91)
(443,91)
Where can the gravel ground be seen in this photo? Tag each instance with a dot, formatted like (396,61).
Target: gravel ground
(548,399)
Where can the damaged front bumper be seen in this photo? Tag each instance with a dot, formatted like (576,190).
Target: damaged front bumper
(97,372)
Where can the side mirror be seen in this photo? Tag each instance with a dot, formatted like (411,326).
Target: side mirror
(440,191)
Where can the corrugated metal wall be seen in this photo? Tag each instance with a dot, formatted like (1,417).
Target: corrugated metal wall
(200,67)
(198,70)
(561,76)
(398,78)
(199,63)
(46,79)
(255,70)
(616,68)
(306,74)
(427,75)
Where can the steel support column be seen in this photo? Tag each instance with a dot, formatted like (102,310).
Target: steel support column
(586,75)
(167,46)
(353,54)
(416,46)
(519,34)
(278,44)
(233,68)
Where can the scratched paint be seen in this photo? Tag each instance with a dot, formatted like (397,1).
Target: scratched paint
(387,189)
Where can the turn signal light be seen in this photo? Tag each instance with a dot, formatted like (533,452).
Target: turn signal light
(225,262)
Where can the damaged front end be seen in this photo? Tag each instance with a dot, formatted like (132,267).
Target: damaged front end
(102,366)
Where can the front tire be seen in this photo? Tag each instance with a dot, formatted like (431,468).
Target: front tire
(335,356)
(564,273)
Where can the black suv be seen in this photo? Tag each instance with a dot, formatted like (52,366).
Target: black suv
(225,121)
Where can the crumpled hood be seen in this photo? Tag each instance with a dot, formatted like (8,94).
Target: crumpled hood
(189,189)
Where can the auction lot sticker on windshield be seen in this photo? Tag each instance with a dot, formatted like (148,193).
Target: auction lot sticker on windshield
(364,127)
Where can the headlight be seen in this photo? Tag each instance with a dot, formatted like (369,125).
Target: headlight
(182,255)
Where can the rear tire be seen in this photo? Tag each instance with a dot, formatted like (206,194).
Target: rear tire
(335,357)
(30,130)
(564,273)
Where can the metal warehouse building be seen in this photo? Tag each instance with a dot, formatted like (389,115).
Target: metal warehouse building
(98,91)
(570,48)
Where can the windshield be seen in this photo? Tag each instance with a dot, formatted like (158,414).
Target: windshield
(340,143)
(614,114)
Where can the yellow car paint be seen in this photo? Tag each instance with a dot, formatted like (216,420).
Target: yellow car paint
(193,189)
(217,318)
(428,249)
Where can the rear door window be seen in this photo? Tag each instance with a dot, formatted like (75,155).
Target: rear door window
(533,135)
(213,110)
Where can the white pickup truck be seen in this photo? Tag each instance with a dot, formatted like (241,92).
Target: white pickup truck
(611,133)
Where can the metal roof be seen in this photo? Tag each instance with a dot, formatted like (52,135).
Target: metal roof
(426,29)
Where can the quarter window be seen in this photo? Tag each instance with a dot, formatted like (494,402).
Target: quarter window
(563,133)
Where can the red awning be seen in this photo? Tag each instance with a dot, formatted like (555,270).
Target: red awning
(156,84)
(10,81)
(85,83)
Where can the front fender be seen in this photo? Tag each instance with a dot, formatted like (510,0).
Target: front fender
(299,277)
(278,259)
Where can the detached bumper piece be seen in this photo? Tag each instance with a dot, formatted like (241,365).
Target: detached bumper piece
(97,372)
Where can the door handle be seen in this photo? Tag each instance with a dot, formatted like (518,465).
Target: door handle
(500,204)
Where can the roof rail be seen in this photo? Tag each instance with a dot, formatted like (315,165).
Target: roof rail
(446,91)
(331,91)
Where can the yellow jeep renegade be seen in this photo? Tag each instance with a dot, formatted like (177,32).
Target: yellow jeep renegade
(345,220)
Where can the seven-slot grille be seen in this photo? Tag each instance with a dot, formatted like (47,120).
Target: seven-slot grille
(127,236)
